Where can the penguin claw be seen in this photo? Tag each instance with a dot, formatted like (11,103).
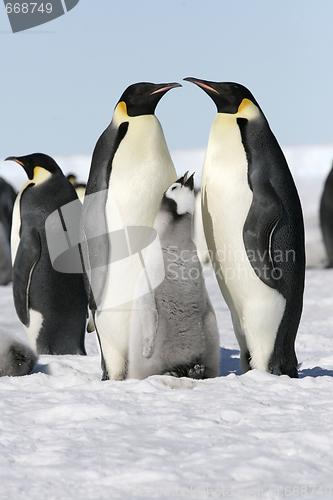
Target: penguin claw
(197,371)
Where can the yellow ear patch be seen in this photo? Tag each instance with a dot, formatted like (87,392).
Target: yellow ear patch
(243,105)
(41,175)
(247,109)
(120,113)
(122,108)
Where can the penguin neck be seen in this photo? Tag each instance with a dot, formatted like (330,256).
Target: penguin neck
(143,163)
(144,139)
(224,131)
(225,159)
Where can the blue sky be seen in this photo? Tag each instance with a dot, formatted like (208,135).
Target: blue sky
(61,81)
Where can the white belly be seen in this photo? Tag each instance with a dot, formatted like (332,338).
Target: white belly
(226,200)
(142,170)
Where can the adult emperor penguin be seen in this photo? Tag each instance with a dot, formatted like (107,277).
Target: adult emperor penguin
(51,305)
(254,229)
(16,357)
(326,217)
(80,187)
(173,328)
(130,170)
(7,200)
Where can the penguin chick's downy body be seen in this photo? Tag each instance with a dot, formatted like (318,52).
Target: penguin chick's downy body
(173,328)
(130,170)
(51,305)
(254,229)
(326,217)
(16,357)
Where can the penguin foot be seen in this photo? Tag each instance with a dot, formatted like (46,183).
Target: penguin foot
(197,371)
(283,366)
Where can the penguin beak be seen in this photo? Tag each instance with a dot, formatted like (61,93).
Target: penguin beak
(28,168)
(12,158)
(182,179)
(165,87)
(201,83)
(190,182)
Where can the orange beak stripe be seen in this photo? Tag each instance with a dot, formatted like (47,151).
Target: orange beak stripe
(162,89)
(19,162)
(203,85)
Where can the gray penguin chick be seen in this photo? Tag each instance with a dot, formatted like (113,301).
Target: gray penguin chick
(16,357)
(173,328)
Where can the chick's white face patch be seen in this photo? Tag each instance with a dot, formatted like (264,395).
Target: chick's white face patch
(183,196)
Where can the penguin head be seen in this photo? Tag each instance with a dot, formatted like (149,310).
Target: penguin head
(142,98)
(231,98)
(179,198)
(38,166)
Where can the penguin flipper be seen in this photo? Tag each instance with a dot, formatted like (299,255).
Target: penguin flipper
(95,240)
(27,256)
(262,219)
(94,246)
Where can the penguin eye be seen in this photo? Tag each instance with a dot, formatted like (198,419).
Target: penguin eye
(173,188)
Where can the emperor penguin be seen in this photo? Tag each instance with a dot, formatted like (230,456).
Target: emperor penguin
(254,229)
(80,187)
(326,217)
(7,200)
(5,258)
(130,170)
(173,328)
(51,305)
(16,357)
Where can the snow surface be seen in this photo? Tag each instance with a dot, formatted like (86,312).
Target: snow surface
(64,434)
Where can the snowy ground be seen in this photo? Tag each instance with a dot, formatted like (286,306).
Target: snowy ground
(64,434)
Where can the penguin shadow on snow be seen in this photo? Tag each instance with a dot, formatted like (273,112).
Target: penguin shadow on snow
(315,372)
(229,362)
(42,368)
(66,365)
